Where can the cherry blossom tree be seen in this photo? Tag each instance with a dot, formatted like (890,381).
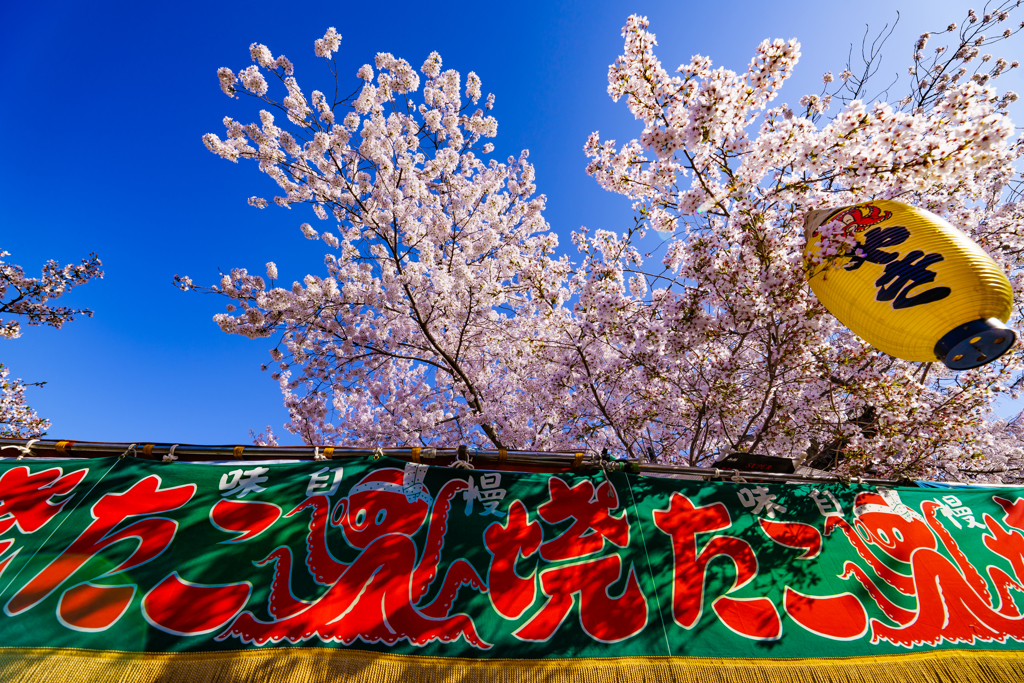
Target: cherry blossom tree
(754,362)
(406,336)
(27,299)
(447,313)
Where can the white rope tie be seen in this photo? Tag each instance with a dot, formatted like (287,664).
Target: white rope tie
(171,457)
(24,450)
(461,464)
(317,455)
(131,449)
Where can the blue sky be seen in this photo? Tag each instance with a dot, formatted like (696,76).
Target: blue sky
(105,104)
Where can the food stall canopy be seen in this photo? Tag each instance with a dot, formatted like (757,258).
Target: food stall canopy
(363,566)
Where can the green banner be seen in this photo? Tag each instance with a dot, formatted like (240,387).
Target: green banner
(383,556)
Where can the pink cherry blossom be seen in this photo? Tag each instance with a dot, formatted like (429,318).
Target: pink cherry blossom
(26,300)
(447,312)
(17,419)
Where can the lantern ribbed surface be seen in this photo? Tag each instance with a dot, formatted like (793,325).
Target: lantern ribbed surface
(912,279)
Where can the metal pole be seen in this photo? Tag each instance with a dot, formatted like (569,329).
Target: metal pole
(713,473)
(50,448)
(576,460)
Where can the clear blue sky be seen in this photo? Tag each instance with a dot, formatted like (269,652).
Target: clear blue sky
(105,103)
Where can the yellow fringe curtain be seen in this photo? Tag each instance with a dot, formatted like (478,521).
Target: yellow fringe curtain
(309,665)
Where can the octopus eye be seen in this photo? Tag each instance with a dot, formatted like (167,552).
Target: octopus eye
(379,519)
(882,536)
(897,534)
(339,513)
(360,517)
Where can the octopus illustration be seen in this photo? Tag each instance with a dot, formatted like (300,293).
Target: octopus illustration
(954,600)
(381,596)
(859,218)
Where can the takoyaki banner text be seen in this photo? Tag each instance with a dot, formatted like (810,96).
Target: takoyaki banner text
(376,561)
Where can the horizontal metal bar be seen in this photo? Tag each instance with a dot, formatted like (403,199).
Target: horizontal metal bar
(714,473)
(553,459)
(9,447)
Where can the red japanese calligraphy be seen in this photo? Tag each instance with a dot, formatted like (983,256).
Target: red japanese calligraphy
(247,518)
(1008,544)
(755,618)
(26,501)
(25,498)
(511,594)
(1014,511)
(183,608)
(794,535)
(604,617)
(837,617)
(589,510)
(91,607)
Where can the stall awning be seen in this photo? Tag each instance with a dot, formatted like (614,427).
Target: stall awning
(379,569)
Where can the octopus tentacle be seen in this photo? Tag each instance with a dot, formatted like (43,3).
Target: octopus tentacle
(322,565)
(370,602)
(974,579)
(460,625)
(947,609)
(1003,583)
(458,575)
(426,569)
(282,603)
(901,582)
(900,615)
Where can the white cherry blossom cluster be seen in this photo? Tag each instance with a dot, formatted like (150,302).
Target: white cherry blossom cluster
(28,297)
(27,300)
(446,313)
(17,419)
(430,255)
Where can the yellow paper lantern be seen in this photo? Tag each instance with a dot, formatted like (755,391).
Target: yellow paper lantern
(912,286)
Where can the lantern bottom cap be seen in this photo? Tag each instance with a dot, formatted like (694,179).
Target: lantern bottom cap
(975,343)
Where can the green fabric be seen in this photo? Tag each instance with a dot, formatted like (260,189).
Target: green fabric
(142,556)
